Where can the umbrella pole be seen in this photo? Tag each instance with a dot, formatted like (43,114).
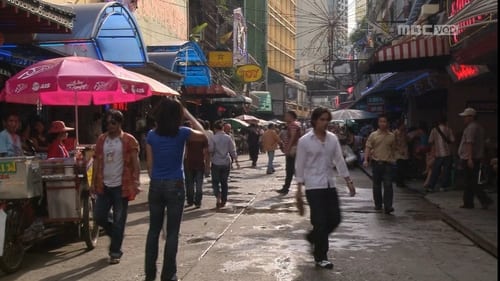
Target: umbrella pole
(76,120)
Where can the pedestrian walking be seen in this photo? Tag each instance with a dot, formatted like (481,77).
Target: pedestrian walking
(115,180)
(10,141)
(196,165)
(222,150)
(164,158)
(290,148)
(471,152)
(441,138)
(270,142)
(401,154)
(253,138)
(318,153)
(379,149)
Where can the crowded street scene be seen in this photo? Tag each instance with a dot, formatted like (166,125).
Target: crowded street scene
(211,140)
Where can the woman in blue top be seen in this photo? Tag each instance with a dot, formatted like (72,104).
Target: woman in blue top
(164,156)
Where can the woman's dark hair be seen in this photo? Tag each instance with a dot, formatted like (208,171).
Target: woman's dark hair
(115,115)
(168,115)
(317,112)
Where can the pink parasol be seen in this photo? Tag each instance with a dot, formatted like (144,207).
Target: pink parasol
(76,81)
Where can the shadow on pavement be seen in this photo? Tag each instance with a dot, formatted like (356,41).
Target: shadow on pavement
(80,272)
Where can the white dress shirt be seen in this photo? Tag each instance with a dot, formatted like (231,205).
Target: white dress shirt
(316,160)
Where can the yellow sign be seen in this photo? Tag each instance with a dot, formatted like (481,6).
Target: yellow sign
(220,59)
(8,167)
(249,72)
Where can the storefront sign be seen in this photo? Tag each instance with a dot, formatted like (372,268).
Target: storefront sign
(220,59)
(461,72)
(468,26)
(264,101)
(249,73)
(8,168)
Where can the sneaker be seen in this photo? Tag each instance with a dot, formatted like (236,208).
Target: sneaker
(188,205)
(324,264)
(113,260)
(282,191)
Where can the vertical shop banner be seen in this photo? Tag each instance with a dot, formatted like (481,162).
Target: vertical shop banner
(240,55)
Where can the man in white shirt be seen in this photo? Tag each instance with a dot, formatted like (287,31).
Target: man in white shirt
(318,153)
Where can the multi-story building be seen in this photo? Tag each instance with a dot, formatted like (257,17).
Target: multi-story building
(281,36)
(360,10)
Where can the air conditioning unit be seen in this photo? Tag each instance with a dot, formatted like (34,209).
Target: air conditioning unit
(428,9)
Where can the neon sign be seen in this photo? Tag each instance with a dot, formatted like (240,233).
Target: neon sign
(462,71)
(468,25)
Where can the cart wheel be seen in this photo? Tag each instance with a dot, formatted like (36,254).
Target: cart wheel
(13,251)
(89,227)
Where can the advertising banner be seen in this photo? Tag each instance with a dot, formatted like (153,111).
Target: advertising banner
(240,55)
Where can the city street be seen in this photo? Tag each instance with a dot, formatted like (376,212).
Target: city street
(260,236)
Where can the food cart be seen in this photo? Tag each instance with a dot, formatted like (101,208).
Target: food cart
(42,198)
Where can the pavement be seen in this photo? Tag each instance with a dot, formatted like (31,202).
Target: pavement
(479,225)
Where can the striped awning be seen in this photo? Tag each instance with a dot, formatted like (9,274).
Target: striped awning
(416,54)
(418,48)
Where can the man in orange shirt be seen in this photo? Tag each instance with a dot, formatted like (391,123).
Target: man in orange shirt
(115,180)
(270,142)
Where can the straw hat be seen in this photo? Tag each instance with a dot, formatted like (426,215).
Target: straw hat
(59,127)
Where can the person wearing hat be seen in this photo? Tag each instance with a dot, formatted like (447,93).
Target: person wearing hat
(58,133)
(471,152)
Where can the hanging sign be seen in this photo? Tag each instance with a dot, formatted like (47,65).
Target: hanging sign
(249,73)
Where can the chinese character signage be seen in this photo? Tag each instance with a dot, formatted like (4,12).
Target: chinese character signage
(220,59)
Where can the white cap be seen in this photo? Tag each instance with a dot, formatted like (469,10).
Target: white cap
(468,112)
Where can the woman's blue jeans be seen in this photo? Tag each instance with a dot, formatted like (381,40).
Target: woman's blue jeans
(169,195)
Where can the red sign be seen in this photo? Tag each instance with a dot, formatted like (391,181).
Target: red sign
(467,26)
(461,72)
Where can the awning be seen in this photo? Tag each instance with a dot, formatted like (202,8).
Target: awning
(276,77)
(185,58)
(34,16)
(212,91)
(420,53)
(157,72)
(395,82)
(233,100)
(105,31)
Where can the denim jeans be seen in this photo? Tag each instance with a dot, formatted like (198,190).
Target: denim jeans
(382,173)
(220,175)
(290,170)
(194,178)
(169,195)
(115,229)
(270,159)
(325,217)
(445,163)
